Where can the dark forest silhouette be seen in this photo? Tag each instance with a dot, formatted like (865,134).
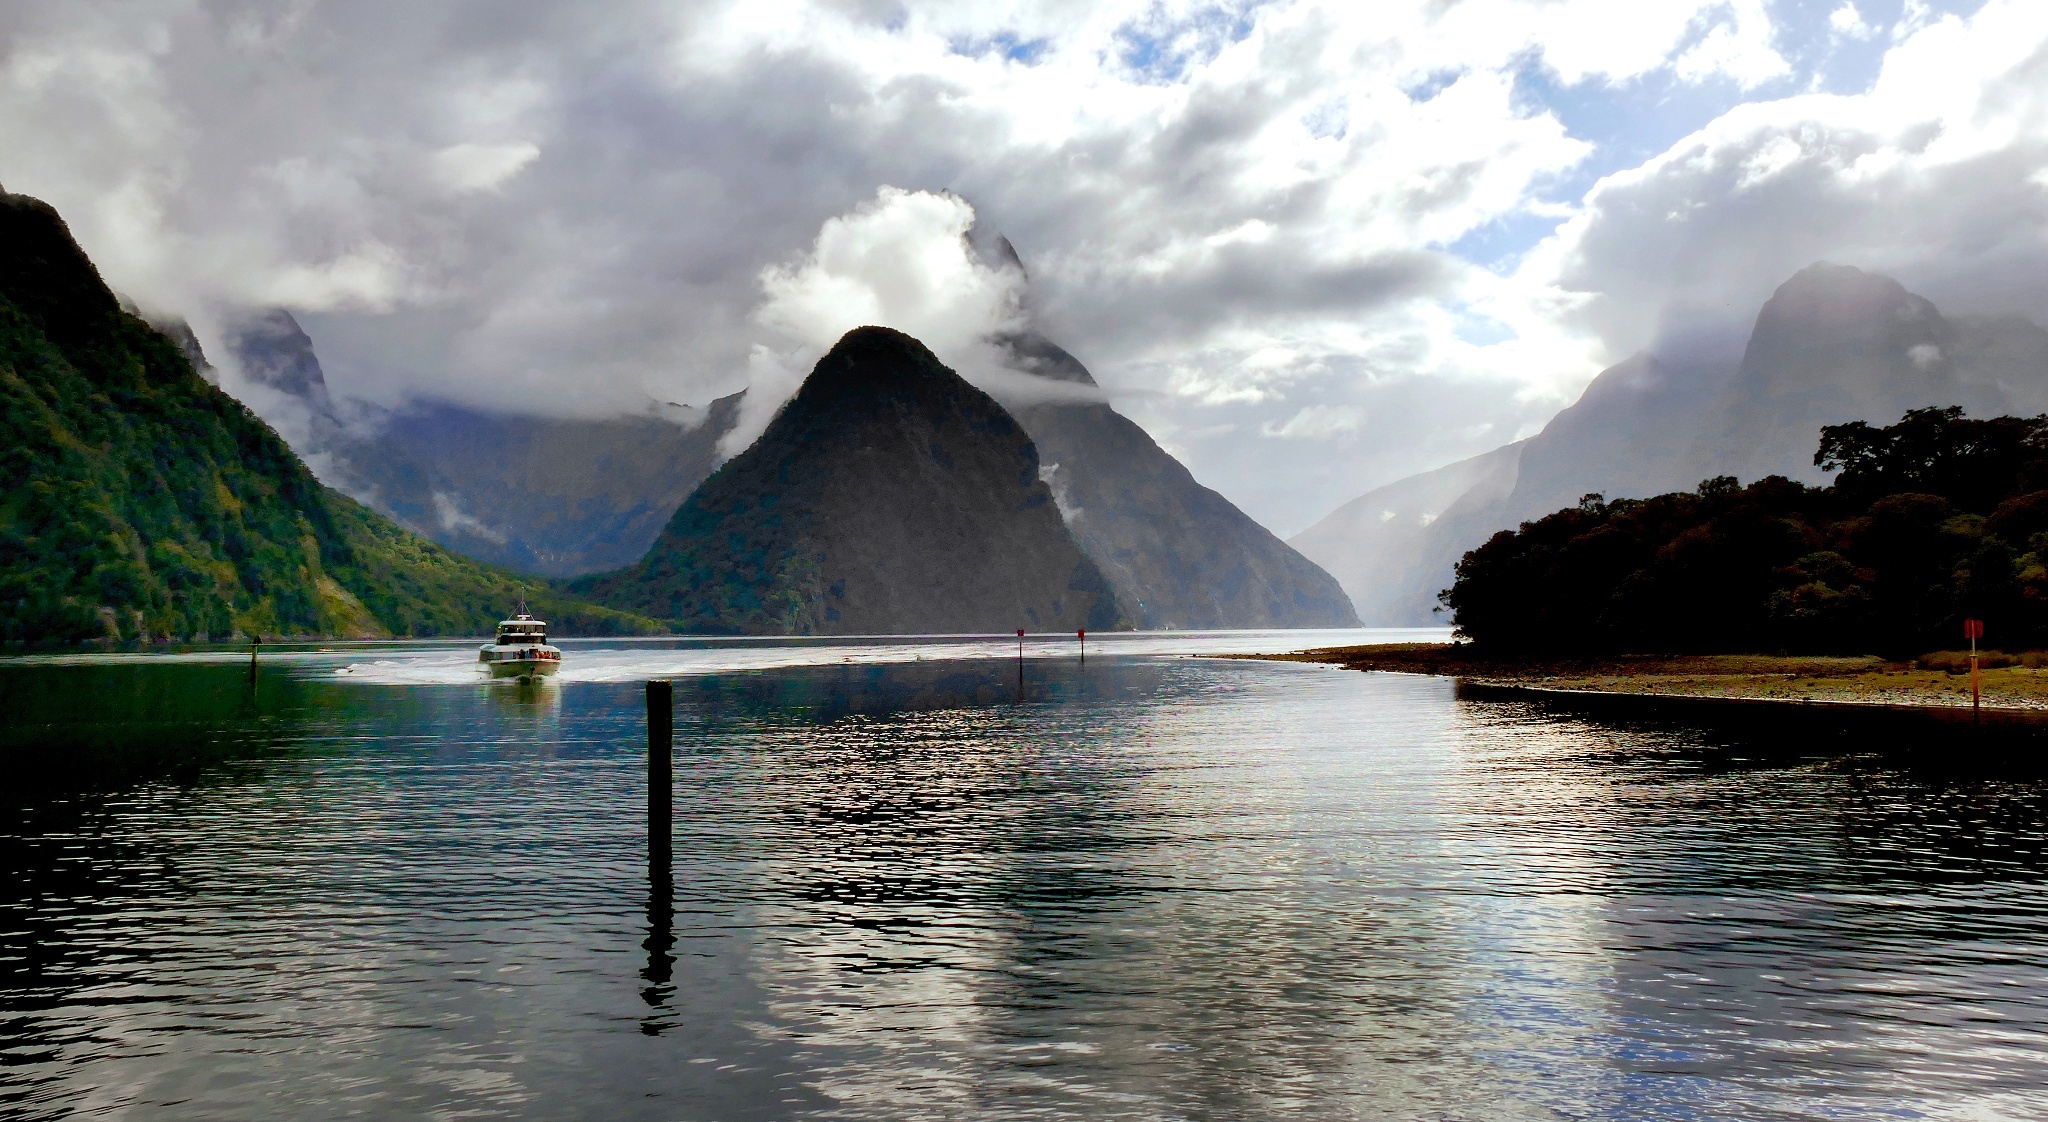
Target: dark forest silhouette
(1930,521)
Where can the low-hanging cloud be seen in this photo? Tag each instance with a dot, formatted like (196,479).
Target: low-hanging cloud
(900,260)
(1937,175)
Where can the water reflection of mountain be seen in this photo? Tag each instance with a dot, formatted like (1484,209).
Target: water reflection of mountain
(951,883)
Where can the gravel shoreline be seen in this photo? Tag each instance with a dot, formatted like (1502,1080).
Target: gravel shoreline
(1866,680)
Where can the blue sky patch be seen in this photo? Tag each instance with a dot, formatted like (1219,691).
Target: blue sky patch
(1005,43)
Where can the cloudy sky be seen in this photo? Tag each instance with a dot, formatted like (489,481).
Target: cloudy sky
(1311,247)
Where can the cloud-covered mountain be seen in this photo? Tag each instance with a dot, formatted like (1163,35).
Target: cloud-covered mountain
(565,496)
(557,496)
(888,496)
(1832,344)
(1384,544)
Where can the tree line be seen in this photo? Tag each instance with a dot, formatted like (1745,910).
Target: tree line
(1927,522)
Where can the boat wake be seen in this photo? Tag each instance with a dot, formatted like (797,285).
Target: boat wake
(626,661)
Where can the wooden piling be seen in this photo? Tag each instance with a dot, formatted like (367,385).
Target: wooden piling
(255,644)
(660,770)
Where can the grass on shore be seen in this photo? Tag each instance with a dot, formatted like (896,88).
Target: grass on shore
(2012,681)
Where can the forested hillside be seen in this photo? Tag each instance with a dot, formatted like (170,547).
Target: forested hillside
(141,502)
(1929,521)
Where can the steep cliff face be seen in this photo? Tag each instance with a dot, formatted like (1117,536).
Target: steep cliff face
(1178,554)
(888,497)
(138,501)
(274,352)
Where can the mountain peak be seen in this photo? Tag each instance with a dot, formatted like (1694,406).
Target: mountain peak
(1824,296)
(274,351)
(869,360)
(888,496)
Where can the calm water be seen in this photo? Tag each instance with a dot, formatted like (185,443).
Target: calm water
(1158,887)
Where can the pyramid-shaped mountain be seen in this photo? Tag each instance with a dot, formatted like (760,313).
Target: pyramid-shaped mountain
(888,497)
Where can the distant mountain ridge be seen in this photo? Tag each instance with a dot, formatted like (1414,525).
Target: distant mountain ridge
(548,495)
(143,503)
(888,496)
(1833,344)
(565,497)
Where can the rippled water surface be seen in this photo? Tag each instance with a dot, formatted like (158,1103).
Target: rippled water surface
(1152,887)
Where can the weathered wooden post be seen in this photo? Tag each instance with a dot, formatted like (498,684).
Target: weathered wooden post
(1973,630)
(661,889)
(1020,666)
(660,779)
(255,644)
(1083,633)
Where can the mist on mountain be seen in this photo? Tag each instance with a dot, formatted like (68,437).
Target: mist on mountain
(564,497)
(1834,344)
(145,504)
(555,496)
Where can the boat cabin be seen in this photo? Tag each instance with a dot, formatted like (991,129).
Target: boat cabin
(522,630)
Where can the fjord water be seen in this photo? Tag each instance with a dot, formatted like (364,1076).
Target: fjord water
(1150,887)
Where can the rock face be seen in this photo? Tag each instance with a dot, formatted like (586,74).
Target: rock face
(274,352)
(1178,554)
(888,497)
(550,495)
(1833,344)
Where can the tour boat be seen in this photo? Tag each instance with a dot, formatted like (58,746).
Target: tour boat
(521,649)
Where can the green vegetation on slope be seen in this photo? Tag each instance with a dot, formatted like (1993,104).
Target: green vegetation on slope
(1932,520)
(140,502)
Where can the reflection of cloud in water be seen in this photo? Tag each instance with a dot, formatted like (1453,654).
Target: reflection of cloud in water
(973,877)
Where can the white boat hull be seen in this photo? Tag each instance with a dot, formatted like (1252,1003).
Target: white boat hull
(520,661)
